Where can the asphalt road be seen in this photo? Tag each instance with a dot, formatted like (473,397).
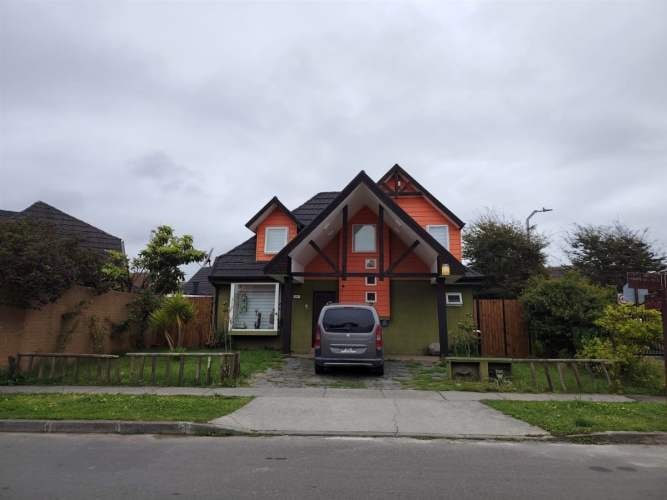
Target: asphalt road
(77,466)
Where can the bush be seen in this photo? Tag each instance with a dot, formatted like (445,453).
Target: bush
(465,339)
(562,313)
(627,333)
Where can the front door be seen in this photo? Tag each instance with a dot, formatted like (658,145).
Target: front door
(320,299)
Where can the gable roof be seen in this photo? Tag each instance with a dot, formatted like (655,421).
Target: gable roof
(307,212)
(397,169)
(199,283)
(278,265)
(273,203)
(89,236)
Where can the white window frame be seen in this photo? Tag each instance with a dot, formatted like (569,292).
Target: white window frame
(429,226)
(374,301)
(232,290)
(371,263)
(266,238)
(375,281)
(459,303)
(375,239)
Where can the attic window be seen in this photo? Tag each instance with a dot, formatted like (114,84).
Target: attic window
(275,238)
(363,238)
(440,233)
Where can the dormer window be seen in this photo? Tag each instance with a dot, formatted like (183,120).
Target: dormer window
(275,238)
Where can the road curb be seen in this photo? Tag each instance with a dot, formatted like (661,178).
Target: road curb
(619,437)
(116,427)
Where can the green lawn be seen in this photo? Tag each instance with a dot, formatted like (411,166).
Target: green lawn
(582,417)
(252,361)
(434,378)
(117,407)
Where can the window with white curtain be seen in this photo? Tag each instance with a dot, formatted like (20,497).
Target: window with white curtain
(363,238)
(253,306)
(275,238)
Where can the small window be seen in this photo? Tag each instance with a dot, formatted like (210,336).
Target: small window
(371,263)
(454,299)
(370,280)
(440,234)
(275,239)
(371,297)
(363,238)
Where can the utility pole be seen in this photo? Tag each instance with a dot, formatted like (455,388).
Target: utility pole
(531,216)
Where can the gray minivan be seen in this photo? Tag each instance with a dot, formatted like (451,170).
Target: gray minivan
(349,335)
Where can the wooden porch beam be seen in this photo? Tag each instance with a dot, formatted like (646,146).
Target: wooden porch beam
(344,252)
(401,257)
(381,239)
(324,256)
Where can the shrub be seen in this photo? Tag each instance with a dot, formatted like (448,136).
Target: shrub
(465,339)
(561,313)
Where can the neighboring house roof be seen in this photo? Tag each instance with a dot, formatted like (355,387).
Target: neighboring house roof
(556,272)
(88,235)
(397,169)
(199,283)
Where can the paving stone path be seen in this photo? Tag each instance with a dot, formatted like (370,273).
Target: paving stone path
(299,372)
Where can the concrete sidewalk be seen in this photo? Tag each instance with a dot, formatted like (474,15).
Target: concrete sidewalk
(311,392)
(364,412)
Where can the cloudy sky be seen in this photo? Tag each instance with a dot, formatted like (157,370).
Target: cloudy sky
(194,114)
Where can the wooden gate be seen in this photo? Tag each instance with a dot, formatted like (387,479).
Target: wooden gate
(503,331)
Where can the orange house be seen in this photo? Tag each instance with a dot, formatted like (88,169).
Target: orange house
(388,243)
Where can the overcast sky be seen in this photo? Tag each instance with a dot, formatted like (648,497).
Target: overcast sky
(194,114)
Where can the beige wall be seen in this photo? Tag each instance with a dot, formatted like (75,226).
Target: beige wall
(37,330)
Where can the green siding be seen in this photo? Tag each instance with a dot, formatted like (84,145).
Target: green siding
(414,320)
(302,312)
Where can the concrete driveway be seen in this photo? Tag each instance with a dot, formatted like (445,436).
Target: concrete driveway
(376,413)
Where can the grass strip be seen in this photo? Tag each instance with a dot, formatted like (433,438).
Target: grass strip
(117,407)
(583,417)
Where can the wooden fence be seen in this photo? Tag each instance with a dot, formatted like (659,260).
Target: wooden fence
(69,362)
(503,330)
(198,332)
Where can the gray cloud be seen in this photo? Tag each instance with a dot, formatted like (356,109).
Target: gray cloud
(196,114)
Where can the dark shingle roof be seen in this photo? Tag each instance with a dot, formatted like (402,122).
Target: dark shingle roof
(312,208)
(89,236)
(199,283)
(239,262)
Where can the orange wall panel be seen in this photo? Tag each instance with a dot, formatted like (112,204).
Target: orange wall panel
(277,218)
(426,214)
(318,264)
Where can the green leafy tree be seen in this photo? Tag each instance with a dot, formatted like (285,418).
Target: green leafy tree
(37,265)
(605,254)
(116,271)
(561,313)
(162,257)
(174,312)
(501,250)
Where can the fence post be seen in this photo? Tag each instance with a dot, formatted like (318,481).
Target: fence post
(181,365)
(559,367)
(575,370)
(153,374)
(548,375)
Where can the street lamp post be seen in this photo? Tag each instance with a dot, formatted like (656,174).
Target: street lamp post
(531,216)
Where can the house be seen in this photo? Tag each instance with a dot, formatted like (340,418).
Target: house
(199,285)
(389,243)
(88,236)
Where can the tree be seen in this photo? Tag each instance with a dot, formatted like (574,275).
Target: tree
(174,311)
(605,254)
(561,313)
(37,265)
(502,250)
(162,257)
(116,271)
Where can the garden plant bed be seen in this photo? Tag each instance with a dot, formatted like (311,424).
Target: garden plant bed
(251,362)
(563,418)
(117,407)
(435,378)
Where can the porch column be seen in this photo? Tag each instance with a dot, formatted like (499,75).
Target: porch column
(286,315)
(443,334)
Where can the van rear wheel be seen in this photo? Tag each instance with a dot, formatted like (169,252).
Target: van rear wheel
(319,369)
(379,370)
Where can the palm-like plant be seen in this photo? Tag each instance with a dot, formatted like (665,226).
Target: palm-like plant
(175,311)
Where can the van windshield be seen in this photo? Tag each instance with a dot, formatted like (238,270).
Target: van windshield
(348,319)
